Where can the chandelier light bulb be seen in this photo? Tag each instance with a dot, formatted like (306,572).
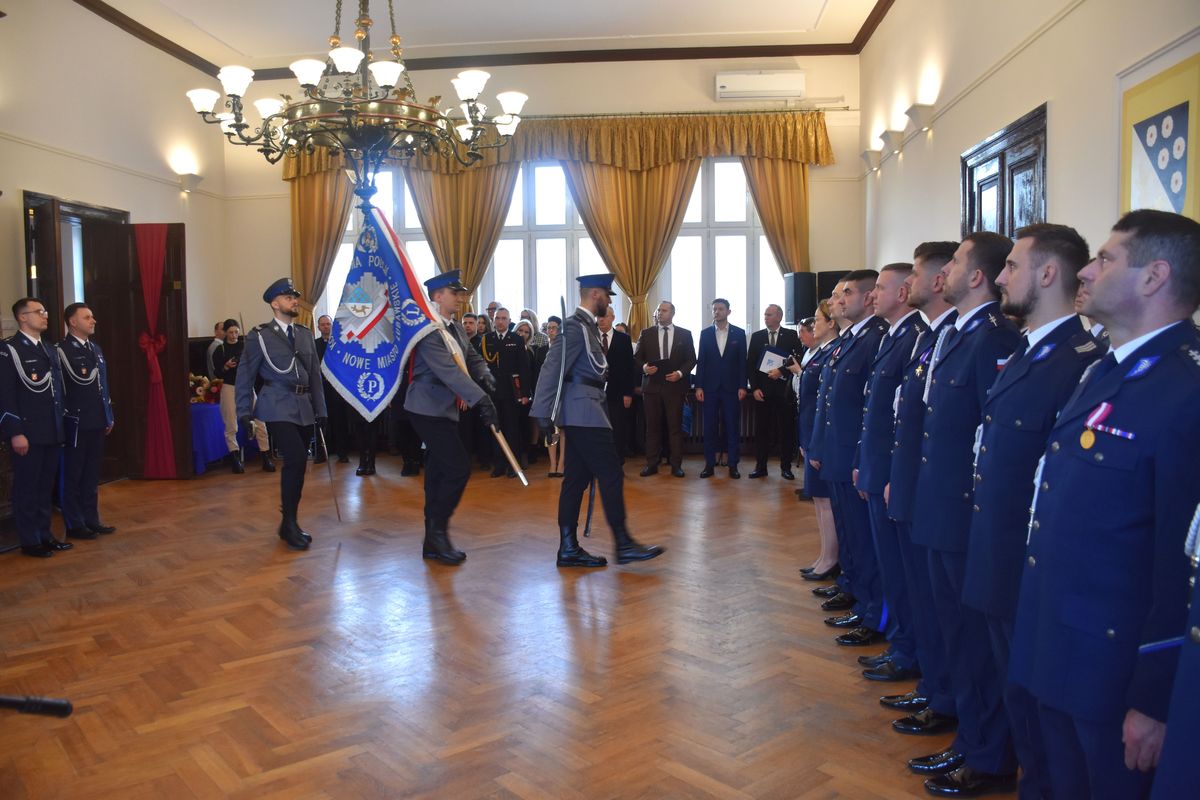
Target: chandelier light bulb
(235,80)
(204,100)
(308,71)
(268,106)
(512,102)
(469,83)
(346,59)
(464,131)
(226,120)
(510,127)
(386,73)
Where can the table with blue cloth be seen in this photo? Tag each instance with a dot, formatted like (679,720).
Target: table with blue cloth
(208,436)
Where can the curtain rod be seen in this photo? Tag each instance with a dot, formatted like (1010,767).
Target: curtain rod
(686,113)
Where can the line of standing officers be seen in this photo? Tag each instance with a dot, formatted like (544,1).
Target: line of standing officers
(1011,504)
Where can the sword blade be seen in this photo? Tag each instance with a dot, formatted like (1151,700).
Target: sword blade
(508,454)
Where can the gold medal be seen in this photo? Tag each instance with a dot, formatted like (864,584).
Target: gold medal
(1087,439)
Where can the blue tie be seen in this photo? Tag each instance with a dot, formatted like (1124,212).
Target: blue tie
(291,337)
(1102,368)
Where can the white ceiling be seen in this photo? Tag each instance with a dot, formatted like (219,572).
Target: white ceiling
(271,33)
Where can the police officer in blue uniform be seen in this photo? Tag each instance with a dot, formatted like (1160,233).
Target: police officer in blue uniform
(1038,285)
(930,706)
(88,420)
(582,412)
(31,418)
(873,461)
(1104,591)
(445,371)
(292,399)
(964,364)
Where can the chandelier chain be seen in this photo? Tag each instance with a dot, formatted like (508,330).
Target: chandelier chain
(337,19)
(392,16)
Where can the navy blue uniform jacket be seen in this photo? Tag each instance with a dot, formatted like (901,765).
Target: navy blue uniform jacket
(849,372)
(1178,773)
(85,379)
(809,397)
(31,391)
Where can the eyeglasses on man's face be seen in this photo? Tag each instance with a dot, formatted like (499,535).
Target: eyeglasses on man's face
(40,311)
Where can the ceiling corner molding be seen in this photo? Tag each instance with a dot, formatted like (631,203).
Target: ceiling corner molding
(878,12)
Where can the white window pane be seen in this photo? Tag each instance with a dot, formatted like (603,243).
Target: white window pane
(383,196)
(550,195)
(731,276)
(332,296)
(508,273)
(420,257)
(685,284)
(695,206)
(729,189)
(411,220)
(550,257)
(770,279)
(516,209)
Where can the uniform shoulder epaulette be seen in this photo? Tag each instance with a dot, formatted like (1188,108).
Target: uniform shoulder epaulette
(1084,344)
(1191,354)
(260,327)
(305,327)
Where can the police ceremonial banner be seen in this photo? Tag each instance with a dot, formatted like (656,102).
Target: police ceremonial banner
(381,317)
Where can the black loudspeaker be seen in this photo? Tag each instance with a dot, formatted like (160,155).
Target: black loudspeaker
(799,296)
(827,280)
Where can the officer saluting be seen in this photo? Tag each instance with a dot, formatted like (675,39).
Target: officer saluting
(89,419)
(578,374)
(292,399)
(445,369)
(31,418)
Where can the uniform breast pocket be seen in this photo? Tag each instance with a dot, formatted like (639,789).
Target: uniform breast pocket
(1017,424)
(957,379)
(1106,451)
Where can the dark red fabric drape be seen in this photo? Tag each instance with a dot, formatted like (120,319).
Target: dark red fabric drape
(160,449)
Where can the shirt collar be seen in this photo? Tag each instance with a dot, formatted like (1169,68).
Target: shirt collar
(1126,350)
(34,339)
(283,326)
(900,322)
(83,342)
(591,317)
(1038,334)
(858,326)
(665,327)
(963,319)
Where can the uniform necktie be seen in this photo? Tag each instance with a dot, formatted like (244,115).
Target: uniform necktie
(1102,368)
(944,338)
(1021,350)
(291,337)
(604,342)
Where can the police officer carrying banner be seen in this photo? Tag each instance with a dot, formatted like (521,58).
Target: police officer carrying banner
(571,385)
(88,420)
(31,418)
(444,370)
(292,399)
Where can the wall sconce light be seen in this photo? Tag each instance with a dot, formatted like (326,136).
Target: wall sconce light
(892,141)
(189,181)
(921,116)
(872,157)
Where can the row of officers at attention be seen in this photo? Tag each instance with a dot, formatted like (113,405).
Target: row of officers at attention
(1014,504)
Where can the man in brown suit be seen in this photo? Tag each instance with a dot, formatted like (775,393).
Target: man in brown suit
(664,385)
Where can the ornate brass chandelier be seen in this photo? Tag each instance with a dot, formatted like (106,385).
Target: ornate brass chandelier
(353,105)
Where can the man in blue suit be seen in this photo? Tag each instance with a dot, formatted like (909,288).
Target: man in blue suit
(873,461)
(721,386)
(1104,590)
(965,362)
(1038,284)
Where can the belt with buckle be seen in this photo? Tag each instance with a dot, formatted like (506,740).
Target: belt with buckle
(597,384)
(297,388)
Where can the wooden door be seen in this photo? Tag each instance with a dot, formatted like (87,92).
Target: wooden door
(1004,178)
(43,260)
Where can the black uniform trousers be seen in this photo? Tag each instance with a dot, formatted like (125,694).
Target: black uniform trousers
(32,488)
(291,440)
(81,484)
(618,414)
(447,465)
(775,421)
(509,412)
(1022,709)
(591,453)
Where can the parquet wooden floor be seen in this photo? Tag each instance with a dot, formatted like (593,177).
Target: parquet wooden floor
(207,661)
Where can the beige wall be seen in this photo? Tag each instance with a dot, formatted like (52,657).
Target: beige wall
(983,65)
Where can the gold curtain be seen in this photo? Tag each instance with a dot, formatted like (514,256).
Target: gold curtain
(463,215)
(780,192)
(633,218)
(320,211)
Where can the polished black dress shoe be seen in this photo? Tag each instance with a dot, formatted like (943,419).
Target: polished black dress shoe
(268,463)
(296,531)
(36,551)
(877,659)
(827,575)
(912,701)
(937,763)
(806,570)
(238,466)
(758,473)
(292,536)
(707,472)
(839,602)
(733,473)
(648,471)
(827,591)
(100,527)
(787,475)
(850,620)
(677,472)
(570,554)
(888,671)
(81,533)
(56,545)
(966,782)
(437,545)
(926,723)
(859,637)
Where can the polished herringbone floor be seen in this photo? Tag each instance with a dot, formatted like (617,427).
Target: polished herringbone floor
(206,660)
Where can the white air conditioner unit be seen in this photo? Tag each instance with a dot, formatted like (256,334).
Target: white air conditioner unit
(760,85)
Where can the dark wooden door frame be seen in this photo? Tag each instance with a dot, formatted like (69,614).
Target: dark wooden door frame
(1023,143)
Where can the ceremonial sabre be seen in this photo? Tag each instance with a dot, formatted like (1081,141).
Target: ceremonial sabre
(329,470)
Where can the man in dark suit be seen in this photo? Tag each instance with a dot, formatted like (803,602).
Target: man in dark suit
(1104,591)
(88,420)
(665,355)
(721,387)
(509,360)
(31,418)
(622,377)
(336,427)
(774,410)
(962,368)
(1038,285)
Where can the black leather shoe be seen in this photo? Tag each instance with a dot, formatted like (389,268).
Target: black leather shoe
(787,475)
(758,473)
(36,551)
(827,575)
(966,782)
(850,620)
(839,602)
(291,534)
(81,533)
(56,545)
(268,463)
(806,570)
(707,472)
(570,554)
(888,671)
(648,471)
(827,591)
(912,701)
(926,723)
(629,550)
(102,528)
(875,660)
(859,637)
(733,473)
(677,472)
(437,546)
(237,466)
(937,763)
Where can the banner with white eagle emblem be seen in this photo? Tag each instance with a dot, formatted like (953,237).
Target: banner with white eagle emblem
(381,317)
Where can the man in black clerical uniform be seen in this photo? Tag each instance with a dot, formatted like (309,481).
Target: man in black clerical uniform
(509,361)
(335,429)
(622,377)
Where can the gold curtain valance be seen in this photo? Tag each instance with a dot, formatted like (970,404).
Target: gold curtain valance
(637,142)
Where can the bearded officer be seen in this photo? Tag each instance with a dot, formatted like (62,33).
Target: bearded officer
(591,453)
(283,354)
(446,374)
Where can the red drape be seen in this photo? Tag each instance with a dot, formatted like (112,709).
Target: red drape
(160,449)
